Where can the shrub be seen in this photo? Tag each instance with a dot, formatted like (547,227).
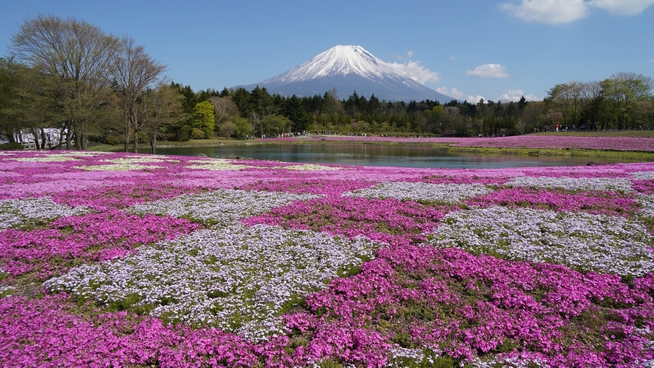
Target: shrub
(184,133)
(197,133)
(11,146)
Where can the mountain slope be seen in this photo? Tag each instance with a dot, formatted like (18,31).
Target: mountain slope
(349,69)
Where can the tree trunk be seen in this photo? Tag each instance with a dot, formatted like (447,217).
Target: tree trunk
(84,141)
(136,141)
(136,133)
(78,138)
(127,136)
(43,138)
(36,139)
(69,136)
(153,143)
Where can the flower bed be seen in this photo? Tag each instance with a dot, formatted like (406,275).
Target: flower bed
(522,141)
(138,260)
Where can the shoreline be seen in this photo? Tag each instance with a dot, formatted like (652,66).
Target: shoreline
(444,147)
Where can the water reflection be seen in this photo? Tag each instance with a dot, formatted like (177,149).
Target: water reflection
(377,155)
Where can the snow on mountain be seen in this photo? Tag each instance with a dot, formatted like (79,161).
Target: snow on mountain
(339,60)
(349,69)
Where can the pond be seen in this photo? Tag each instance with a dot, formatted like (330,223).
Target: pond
(378,155)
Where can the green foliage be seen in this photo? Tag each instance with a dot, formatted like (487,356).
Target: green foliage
(277,124)
(143,137)
(243,127)
(11,147)
(184,133)
(114,139)
(203,118)
(197,133)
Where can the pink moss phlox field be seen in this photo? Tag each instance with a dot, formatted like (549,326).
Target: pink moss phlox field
(592,202)
(522,141)
(387,220)
(47,333)
(91,237)
(468,306)
(644,186)
(310,186)
(121,196)
(412,297)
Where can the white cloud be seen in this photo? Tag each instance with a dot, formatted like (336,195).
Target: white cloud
(475,99)
(414,70)
(450,92)
(548,11)
(567,11)
(651,60)
(489,71)
(515,95)
(622,7)
(452,58)
(406,56)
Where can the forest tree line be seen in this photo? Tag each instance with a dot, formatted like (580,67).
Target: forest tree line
(70,75)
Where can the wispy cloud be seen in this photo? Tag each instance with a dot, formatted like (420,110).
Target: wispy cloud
(567,11)
(452,58)
(414,70)
(622,7)
(409,54)
(548,11)
(516,94)
(489,71)
(450,92)
(475,99)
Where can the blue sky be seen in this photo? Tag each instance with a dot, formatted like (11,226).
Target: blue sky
(493,49)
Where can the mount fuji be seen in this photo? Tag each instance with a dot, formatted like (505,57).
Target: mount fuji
(349,69)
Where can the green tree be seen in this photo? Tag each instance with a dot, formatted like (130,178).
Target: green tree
(243,127)
(622,91)
(296,114)
(203,118)
(278,124)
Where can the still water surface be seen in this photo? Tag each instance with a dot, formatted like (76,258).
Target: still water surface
(377,155)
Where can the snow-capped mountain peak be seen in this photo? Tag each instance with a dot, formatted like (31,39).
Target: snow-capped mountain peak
(349,69)
(339,60)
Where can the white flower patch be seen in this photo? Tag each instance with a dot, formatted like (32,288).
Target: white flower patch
(574,184)
(15,212)
(221,207)
(5,290)
(135,160)
(582,241)
(399,354)
(508,362)
(217,164)
(239,278)
(309,167)
(643,175)
(47,158)
(85,153)
(126,166)
(443,193)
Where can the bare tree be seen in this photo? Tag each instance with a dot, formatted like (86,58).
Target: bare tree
(224,107)
(78,56)
(161,107)
(134,71)
(227,129)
